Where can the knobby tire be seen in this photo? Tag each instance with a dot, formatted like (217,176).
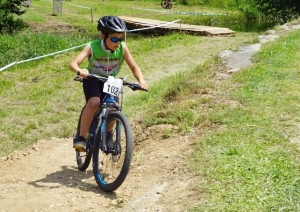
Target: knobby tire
(111,170)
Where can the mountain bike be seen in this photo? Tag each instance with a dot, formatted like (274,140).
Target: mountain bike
(111,158)
(166,4)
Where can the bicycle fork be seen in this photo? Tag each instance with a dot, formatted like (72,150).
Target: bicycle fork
(103,132)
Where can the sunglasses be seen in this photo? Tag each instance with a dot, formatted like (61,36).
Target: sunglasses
(116,40)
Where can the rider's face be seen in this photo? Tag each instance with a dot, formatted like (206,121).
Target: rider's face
(113,40)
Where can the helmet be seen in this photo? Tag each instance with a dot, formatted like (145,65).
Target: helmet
(111,24)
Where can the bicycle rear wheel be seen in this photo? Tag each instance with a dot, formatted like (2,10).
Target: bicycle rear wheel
(111,169)
(83,159)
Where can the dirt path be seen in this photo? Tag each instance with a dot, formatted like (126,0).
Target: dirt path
(44,177)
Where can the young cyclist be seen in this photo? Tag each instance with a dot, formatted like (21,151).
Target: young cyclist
(105,57)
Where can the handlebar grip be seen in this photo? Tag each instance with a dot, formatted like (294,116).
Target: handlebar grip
(135,87)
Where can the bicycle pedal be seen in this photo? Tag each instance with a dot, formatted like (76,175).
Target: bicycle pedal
(79,149)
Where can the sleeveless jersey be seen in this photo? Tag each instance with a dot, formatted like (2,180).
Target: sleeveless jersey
(103,62)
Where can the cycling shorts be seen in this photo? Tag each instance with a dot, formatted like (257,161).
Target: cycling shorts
(93,89)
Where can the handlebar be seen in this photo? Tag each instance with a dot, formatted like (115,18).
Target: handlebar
(94,77)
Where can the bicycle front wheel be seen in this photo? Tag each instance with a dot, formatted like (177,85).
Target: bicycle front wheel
(111,169)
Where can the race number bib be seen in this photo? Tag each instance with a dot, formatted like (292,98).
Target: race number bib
(113,86)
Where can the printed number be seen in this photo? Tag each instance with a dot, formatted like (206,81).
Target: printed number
(113,86)
(113,90)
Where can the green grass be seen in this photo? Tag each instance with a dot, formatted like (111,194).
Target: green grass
(27,45)
(251,163)
(249,159)
(42,11)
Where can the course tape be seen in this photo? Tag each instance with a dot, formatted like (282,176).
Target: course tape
(23,61)
(174,12)
(134,30)
(77,5)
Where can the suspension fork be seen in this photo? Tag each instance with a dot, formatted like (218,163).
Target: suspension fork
(103,126)
(118,130)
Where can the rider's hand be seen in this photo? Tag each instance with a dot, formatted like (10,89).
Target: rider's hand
(83,72)
(144,86)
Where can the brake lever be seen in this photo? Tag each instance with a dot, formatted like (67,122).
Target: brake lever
(78,78)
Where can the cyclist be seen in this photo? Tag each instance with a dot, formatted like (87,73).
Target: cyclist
(105,57)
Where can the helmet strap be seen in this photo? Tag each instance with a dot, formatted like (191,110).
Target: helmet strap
(105,46)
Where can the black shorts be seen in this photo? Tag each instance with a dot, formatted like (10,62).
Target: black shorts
(93,89)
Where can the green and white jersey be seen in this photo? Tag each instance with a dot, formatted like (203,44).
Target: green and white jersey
(102,61)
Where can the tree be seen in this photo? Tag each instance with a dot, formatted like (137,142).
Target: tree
(9,8)
(280,10)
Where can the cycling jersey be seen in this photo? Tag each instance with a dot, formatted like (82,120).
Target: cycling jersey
(104,62)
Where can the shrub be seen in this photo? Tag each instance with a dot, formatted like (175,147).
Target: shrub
(9,8)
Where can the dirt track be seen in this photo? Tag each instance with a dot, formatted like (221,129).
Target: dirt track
(36,180)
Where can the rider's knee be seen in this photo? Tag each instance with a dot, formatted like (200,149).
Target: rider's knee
(93,103)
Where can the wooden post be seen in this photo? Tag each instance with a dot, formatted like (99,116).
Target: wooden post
(227,19)
(180,26)
(92,14)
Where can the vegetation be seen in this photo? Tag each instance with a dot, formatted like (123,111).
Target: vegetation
(248,160)
(27,45)
(247,150)
(251,163)
(9,8)
(280,10)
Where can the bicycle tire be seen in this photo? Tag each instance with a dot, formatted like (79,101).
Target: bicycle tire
(83,159)
(111,170)
(163,4)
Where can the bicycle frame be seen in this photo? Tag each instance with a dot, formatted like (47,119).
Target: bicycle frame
(109,103)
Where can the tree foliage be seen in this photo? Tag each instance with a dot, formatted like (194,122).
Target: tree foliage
(8,9)
(280,10)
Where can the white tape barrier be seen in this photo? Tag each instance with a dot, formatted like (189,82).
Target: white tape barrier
(134,30)
(175,12)
(76,5)
(23,61)
(9,65)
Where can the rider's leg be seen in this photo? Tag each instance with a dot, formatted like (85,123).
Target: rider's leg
(110,126)
(88,114)
(86,119)
(92,92)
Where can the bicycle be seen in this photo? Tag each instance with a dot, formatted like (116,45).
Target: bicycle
(166,4)
(111,161)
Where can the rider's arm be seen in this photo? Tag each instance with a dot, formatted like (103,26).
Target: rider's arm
(74,64)
(137,73)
